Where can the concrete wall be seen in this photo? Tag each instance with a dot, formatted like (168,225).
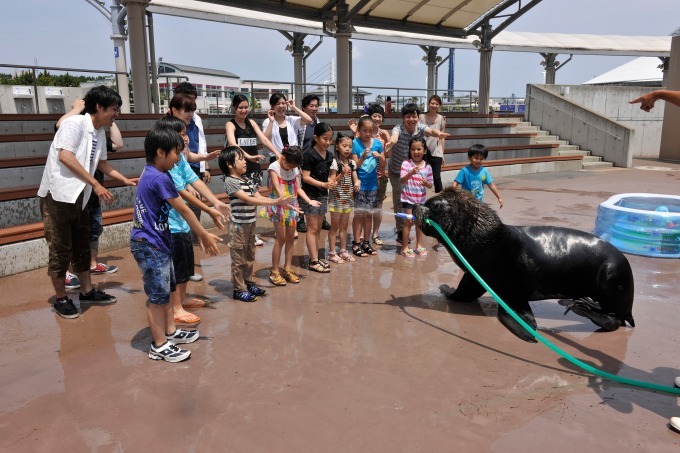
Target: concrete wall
(612,102)
(580,125)
(21,99)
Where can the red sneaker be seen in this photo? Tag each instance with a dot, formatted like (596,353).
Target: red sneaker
(102,268)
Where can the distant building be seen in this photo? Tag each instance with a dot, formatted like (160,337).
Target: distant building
(215,87)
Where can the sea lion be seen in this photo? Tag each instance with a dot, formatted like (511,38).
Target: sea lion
(526,263)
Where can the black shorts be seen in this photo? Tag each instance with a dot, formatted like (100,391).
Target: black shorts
(182,257)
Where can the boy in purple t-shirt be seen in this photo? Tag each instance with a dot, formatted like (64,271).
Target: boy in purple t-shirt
(151,243)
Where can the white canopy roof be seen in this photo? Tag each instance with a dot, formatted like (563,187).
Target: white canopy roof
(643,69)
(650,46)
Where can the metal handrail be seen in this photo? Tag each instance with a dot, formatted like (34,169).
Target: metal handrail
(471,94)
(293,85)
(574,116)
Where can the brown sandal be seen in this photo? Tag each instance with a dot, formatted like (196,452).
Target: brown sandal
(333,258)
(316,266)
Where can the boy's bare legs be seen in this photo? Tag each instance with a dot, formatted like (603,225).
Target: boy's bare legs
(176,298)
(158,316)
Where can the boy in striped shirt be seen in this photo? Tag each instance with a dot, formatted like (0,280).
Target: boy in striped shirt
(244,198)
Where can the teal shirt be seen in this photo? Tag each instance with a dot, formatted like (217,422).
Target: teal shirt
(182,175)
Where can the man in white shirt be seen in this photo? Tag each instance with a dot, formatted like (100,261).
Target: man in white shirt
(78,149)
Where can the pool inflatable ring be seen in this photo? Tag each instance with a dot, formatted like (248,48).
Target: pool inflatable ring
(641,223)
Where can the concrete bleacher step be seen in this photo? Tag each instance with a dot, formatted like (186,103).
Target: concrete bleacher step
(595,162)
(24,144)
(564,148)
(572,152)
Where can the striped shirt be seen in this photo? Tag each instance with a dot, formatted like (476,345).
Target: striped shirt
(400,150)
(241,212)
(342,197)
(413,191)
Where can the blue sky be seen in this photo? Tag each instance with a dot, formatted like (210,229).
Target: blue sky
(71,33)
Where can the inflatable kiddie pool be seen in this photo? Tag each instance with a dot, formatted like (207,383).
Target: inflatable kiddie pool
(641,223)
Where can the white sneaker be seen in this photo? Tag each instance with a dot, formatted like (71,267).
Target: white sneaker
(677,381)
(168,352)
(196,278)
(258,242)
(675,423)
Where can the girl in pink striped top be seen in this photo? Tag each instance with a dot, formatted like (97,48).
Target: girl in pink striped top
(416,178)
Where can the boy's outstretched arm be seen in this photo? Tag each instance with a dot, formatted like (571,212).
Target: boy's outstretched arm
(494,190)
(217,216)
(207,241)
(206,193)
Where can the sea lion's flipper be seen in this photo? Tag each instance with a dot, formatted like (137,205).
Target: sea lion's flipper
(590,310)
(469,290)
(515,327)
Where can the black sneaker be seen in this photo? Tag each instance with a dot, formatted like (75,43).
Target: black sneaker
(255,291)
(245,296)
(183,336)
(301,226)
(325,225)
(168,352)
(97,297)
(65,308)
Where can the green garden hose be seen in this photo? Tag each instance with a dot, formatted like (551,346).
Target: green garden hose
(539,337)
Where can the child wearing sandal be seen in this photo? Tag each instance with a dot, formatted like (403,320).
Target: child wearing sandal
(341,199)
(243,198)
(367,153)
(184,177)
(416,178)
(284,181)
(316,167)
(376,112)
(151,244)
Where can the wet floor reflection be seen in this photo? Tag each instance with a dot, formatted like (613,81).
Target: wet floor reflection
(367,358)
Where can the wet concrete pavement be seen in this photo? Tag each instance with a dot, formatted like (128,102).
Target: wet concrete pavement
(366,358)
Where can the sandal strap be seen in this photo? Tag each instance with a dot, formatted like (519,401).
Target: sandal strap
(367,248)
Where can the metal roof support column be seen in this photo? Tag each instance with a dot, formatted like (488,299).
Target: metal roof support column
(155,95)
(297,48)
(485,51)
(431,59)
(342,58)
(119,38)
(664,71)
(549,64)
(342,34)
(139,63)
